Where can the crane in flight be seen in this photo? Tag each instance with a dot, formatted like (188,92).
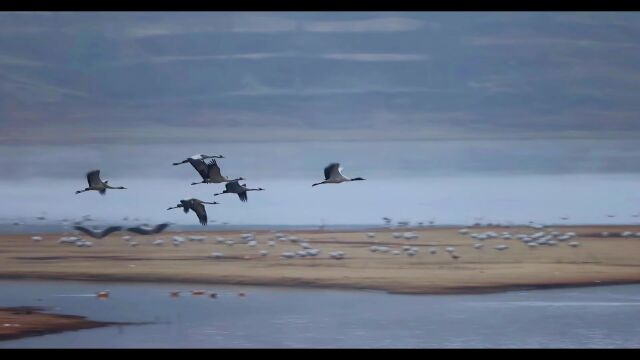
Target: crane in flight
(210,172)
(144,230)
(197,206)
(333,175)
(199,157)
(98,234)
(95,183)
(234,187)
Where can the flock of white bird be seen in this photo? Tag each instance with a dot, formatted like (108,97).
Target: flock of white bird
(305,248)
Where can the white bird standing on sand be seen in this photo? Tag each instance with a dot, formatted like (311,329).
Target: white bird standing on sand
(234,187)
(93,178)
(197,206)
(333,175)
(501,247)
(199,157)
(210,172)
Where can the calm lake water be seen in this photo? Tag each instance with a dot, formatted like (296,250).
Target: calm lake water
(605,316)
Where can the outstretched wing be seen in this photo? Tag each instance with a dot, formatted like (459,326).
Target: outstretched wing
(98,234)
(139,230)
(214,169)
(201,167)
(93,178)
(200,211)
(160,228)
(243,196)
(86,231)
(330,170)
(109,230)
(186,204)
(147,231)
(234,187)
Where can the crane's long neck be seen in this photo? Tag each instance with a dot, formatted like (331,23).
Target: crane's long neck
(107,186)
(258,189)
(181,162)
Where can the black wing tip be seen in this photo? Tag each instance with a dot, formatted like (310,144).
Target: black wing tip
(138,231)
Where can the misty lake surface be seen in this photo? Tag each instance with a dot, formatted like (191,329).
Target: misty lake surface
(271,317)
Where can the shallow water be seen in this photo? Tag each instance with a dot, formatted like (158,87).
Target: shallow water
(605,316)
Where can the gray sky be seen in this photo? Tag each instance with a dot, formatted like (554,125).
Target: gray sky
(429,107)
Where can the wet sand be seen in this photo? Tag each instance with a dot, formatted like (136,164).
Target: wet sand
(598,261)
(19,322)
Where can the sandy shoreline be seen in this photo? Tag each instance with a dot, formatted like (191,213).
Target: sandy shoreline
(454,290)
(598,261)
